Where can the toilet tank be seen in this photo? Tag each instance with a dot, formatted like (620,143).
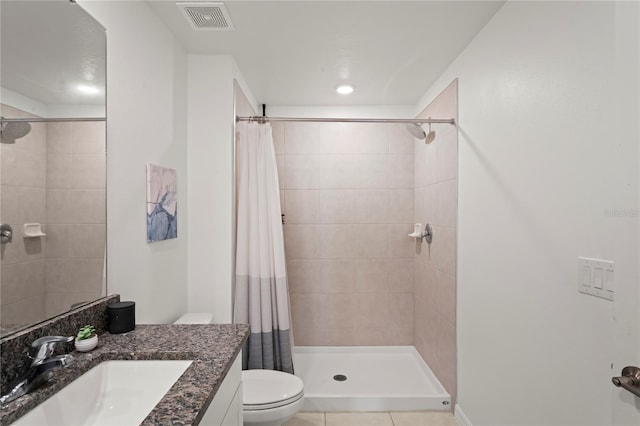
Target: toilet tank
(195,318)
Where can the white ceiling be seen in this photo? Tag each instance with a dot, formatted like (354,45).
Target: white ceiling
(297,52)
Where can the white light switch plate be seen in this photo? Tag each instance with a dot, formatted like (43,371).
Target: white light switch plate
(596,277)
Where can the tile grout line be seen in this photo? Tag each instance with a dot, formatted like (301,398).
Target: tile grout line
(393,423)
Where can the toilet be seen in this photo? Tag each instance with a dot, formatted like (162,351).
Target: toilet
(269,398)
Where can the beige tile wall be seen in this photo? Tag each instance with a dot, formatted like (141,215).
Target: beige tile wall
(75,243)
(23,200)
(55,176)
(347,196)
(435,265)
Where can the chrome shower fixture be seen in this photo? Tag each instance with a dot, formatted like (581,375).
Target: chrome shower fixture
(12,130)
(418,132)
(431,136)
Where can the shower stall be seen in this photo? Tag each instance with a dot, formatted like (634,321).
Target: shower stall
(373,310)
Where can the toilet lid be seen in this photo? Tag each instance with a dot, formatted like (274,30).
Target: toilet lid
(263,389)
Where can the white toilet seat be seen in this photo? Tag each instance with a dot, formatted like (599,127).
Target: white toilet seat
(259,407)
(267,389)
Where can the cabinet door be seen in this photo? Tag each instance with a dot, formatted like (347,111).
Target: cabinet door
(227,399)
(234,413)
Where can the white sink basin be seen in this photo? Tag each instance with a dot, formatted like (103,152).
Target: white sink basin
(111,393)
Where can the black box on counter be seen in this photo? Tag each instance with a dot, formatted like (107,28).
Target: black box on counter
(122,317)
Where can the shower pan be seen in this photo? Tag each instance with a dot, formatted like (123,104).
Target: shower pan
(368,378)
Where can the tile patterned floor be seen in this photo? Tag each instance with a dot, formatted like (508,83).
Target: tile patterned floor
(422,418)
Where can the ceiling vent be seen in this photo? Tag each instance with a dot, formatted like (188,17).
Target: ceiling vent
(206,16)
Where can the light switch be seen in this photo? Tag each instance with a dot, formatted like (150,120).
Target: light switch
(586,276)
(597,277)
(609,279)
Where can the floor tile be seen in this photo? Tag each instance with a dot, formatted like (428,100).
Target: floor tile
(358,419)
(306,419)
(423,418)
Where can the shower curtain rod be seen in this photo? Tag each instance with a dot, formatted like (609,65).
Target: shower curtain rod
(352,120)
(49,120)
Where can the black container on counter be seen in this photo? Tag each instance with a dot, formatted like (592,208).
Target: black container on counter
(122,317)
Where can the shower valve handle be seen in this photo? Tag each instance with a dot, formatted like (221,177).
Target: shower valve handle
(6,233)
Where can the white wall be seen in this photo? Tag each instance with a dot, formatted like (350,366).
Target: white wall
(24,103)
(211,177)
(146,113)
(626,407)
(176,110)
(17,100)
(350,111)
(539,167)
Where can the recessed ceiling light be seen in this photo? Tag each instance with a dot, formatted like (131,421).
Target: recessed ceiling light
(87,90)
(344,89)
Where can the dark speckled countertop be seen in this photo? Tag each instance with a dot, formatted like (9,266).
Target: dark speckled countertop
(212,347)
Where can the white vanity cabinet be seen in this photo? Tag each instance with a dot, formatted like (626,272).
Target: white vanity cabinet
(226,407)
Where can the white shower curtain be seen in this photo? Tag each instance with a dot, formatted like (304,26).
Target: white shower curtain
(261,298)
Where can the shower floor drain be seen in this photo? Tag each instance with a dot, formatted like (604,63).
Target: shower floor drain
(339,377)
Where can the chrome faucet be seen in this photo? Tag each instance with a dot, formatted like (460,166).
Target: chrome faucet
(38,367)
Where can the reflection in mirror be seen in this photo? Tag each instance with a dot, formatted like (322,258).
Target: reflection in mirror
(52,175)
(53,59)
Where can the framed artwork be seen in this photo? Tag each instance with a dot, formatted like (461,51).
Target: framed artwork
(162,203)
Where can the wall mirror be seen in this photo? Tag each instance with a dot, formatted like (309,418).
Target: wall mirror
(52,153)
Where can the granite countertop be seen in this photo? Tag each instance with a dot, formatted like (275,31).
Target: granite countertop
(212,347)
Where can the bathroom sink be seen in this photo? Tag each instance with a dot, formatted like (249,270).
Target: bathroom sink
(111,393)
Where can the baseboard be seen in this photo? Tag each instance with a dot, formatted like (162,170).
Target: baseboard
(461,418)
